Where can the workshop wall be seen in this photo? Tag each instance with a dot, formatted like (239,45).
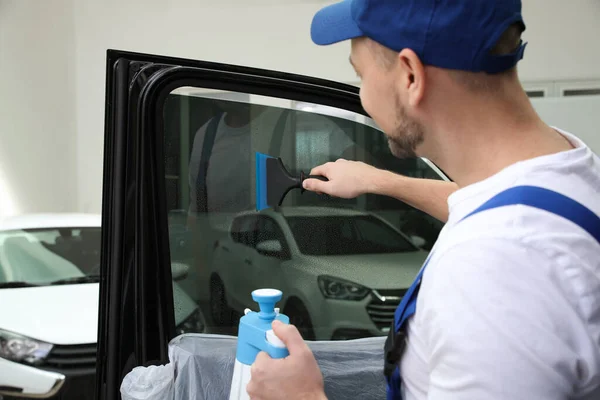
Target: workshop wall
(274,34)
(578,115)
(52,65)
(37,103)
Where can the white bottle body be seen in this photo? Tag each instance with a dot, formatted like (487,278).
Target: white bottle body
(242,372)
(241,378)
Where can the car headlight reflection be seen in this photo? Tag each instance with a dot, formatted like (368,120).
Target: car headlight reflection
(193,324)
(339,289)
(19,348)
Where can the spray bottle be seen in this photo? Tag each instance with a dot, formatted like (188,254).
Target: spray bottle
(255,335)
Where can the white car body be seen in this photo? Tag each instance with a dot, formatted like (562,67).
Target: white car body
(382,278)
(65,315)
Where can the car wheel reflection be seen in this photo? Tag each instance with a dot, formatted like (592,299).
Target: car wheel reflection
(220,311)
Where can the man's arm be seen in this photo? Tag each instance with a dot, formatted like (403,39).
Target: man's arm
(349,179)
(427,195)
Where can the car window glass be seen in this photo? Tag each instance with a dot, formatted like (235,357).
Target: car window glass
(269,230)
(236,231)
(41,256)
(241,230)
(210,144)
(270,234)
(251,231)
(325,236)
(347,230)
(377,233)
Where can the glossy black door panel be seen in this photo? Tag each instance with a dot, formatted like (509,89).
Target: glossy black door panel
(137,317)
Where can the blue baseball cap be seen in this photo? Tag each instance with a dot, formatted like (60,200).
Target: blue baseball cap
(452,34)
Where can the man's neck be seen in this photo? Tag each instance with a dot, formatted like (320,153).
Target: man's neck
(490,137)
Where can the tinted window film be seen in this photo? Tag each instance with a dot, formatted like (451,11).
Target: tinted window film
(269,230)
(330,236)
(212,138)
(378,234)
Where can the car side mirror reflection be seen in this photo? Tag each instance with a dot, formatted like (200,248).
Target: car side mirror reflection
(270,247)
(179,271)
(418,241)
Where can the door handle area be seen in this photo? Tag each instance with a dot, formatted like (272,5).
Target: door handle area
(248,261)
(225,248)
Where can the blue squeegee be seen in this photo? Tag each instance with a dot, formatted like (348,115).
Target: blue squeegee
(273,181)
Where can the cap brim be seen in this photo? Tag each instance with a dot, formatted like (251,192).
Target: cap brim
(334,24)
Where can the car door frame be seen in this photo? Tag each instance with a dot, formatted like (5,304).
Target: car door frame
(136,318)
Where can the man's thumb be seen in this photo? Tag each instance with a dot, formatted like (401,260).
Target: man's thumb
(290,336)
(315,185)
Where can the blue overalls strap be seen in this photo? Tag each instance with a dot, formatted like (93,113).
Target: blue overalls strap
(532,196)
(547,200)
(207,146)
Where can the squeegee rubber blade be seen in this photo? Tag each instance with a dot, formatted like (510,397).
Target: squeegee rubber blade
(261,181)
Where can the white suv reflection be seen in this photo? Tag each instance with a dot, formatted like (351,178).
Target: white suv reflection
(342,271)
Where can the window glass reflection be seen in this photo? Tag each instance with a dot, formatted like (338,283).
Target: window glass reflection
(342,264)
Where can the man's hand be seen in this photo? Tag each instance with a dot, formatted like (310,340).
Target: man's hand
(296,377)
(347,179)
(350,179)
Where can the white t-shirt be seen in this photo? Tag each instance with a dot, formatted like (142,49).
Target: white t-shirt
(228,179)
(509,305)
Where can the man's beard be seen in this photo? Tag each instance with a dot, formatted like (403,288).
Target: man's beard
(406,136)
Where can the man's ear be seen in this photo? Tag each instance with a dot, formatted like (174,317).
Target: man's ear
(412,76)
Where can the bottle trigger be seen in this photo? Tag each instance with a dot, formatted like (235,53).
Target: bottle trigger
(274,340)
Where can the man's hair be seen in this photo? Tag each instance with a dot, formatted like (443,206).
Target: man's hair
(508,42)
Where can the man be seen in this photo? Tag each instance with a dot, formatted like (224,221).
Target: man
(509,304)
(220,152)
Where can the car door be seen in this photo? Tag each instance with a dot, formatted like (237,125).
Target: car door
(166,119)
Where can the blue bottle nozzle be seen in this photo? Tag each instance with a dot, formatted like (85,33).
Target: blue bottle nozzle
(255,331)
(266,299)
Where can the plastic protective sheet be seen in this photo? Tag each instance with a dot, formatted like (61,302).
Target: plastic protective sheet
(201,368)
